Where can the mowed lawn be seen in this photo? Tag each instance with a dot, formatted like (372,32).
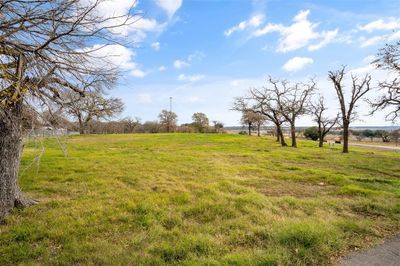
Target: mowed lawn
(193,199)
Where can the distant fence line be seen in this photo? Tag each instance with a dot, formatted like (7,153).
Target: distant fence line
(49,132)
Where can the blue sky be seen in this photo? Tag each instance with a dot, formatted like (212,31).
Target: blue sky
(204,53)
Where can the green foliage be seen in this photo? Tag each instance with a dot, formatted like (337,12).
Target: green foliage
(311,133)
(200,122)
(199,199)
(368,133)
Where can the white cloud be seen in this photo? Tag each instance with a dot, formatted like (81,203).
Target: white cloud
(365,42)
(293,37)
(252,22)
(155,46)
(190,78)
(328,37)
(170,6)
(145,24)
(394,36)
(114,13)
(368,59)
(297,35)
(178,64)
(389,24)
(115,55)
(196,56)
(363,70)
(380,24)
(270,27)
(297,63)
(138,73)
(162,68)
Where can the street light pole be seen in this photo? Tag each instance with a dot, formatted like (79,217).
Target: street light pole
(169,115)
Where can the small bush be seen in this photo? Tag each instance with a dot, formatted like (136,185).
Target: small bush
(311,133)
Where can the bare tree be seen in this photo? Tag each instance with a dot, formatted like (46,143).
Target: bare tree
(218,126)
(151,127)
(45,48)
(253,120)
(324,123)
(130,124)
(93,106)
(247,119)
(168,120)
(259,121)
(389,59)
(359,88)
(292,101)
(260,101)
(200,122)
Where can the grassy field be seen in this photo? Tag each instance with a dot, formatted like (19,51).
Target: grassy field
(200,200)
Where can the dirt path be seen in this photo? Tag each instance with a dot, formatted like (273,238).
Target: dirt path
(392,148)
(386,254)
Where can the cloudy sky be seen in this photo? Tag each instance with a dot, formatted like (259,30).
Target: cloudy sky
(204,53)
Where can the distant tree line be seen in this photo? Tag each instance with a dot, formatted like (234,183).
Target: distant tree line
(96,119)
(385,135)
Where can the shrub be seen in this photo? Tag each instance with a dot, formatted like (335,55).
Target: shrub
(311,133)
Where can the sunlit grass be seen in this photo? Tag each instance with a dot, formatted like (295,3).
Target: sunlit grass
(200,199)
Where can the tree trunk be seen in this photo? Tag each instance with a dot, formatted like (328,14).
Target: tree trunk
(258,130)
(321,141)
(346,137)
(280,134)
(293,135)
(81,127)
(321,135)
(10,156)
(249,129)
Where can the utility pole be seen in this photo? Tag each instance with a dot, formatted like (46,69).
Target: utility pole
(169,115)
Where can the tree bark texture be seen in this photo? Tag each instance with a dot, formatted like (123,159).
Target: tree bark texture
(10,156)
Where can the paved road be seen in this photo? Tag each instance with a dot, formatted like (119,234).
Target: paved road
(392,148)
(386,254)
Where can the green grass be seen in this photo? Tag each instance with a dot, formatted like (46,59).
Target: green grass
(193,199)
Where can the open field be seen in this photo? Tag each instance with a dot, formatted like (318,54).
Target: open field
(200,199)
